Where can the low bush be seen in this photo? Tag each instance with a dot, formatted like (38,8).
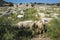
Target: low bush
(53,29)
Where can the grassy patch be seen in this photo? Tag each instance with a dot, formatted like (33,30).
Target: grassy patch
(54,29)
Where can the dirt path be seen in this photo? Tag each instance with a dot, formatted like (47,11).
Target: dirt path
(41,38)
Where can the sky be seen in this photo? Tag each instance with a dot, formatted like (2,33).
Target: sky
(29,1)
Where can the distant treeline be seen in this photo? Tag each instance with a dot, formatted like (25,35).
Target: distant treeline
(4,3)
(58,4)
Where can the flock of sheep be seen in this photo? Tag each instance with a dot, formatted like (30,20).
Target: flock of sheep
(38,25)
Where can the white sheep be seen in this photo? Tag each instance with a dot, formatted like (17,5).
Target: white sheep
(25,24)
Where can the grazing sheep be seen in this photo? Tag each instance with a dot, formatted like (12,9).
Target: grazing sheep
(41,27)
(35,26)
(26,24)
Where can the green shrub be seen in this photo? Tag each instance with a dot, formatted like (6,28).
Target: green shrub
(8,31)
(53,29)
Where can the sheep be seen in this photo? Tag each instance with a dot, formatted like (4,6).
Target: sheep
(35,26)
(41,27)
(26,24)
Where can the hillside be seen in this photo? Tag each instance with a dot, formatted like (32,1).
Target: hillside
(4,3)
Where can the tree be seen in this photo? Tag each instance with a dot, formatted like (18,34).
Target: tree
(58,4)
(10,4)
(35,3)
(20,3)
